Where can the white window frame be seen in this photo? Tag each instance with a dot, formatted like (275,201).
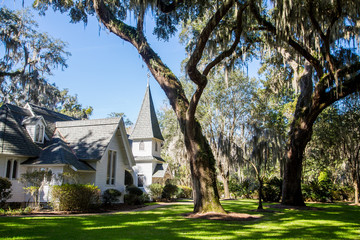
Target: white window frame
(39,134)
(111,167)
(11,170)
(141,146)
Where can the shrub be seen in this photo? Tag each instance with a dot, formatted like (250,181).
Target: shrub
(156,190)
(169,191)
(135,196)
(75,197)
(134,190)
(111,196)
(184,192)
(272,190)
(5,191)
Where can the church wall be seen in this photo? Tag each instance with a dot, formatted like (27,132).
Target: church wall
(148,148)
(101,167)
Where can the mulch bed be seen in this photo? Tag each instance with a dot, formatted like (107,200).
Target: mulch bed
(101,210)
(222,216)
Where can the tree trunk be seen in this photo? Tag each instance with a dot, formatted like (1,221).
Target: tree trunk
(300,135)
(260,206)
(226,187)
(356,188)
(202,166)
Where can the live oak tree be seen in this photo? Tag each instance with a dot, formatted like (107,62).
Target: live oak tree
(29,59)
(227,14)
(319,40)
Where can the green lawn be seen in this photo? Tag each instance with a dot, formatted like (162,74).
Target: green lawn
(333,221)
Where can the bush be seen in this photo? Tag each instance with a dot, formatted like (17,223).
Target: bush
(169,191)
(75,197)
(272,190)
(135,196)
(156,190)
(5,191)
(322,190)
(184,192)
(111,196)
(134,190)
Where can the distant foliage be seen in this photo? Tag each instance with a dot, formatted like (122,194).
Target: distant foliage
(111,196)
(184,192)
(75,197)
(272,189)
(156,191)
(5,191)
(244,189)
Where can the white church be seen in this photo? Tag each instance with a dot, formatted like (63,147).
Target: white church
(99,151)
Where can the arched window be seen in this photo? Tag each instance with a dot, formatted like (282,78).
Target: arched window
(141,145)
(14,169)
(8,169)
(41,134)
(156,147)
(37,133)
(11,169)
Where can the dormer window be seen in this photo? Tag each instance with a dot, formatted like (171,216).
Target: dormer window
(36,128)
(39,133)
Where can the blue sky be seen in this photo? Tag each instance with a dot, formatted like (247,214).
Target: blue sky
(105,72)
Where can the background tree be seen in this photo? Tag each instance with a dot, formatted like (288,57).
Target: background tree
(319,40)
(29,58)
(335,146)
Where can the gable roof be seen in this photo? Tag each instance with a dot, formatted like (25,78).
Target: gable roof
(160,170)
(88,138)
(50,117)
(14,139)
(147,125)
(58,152)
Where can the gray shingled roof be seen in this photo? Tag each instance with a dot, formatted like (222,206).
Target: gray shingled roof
(148,158)
(14,139)
(88,138)
(50,118)
(160,170)
(58,152)
(147,125)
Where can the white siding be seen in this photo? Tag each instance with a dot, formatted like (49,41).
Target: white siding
(101,166)
(145,169)
(148,148)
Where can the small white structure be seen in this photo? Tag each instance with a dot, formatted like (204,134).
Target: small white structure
(147,142)
(98,151)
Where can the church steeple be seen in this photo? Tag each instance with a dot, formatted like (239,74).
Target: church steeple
(147,125)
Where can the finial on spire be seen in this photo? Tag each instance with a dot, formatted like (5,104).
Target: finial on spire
(148,79)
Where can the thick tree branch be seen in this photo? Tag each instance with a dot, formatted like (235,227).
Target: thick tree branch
(191,67)
(229,51)
(350,86)
(271,28)
(163,75)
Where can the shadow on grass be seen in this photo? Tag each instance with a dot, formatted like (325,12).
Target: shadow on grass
(333,222)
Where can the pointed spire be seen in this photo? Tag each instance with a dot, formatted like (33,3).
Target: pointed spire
(147,125)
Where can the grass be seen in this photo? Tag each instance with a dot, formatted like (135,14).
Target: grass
(333,221)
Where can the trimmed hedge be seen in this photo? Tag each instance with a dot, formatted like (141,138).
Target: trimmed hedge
(111,196)
(75,197)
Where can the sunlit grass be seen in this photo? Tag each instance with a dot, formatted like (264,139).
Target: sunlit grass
(332,221)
